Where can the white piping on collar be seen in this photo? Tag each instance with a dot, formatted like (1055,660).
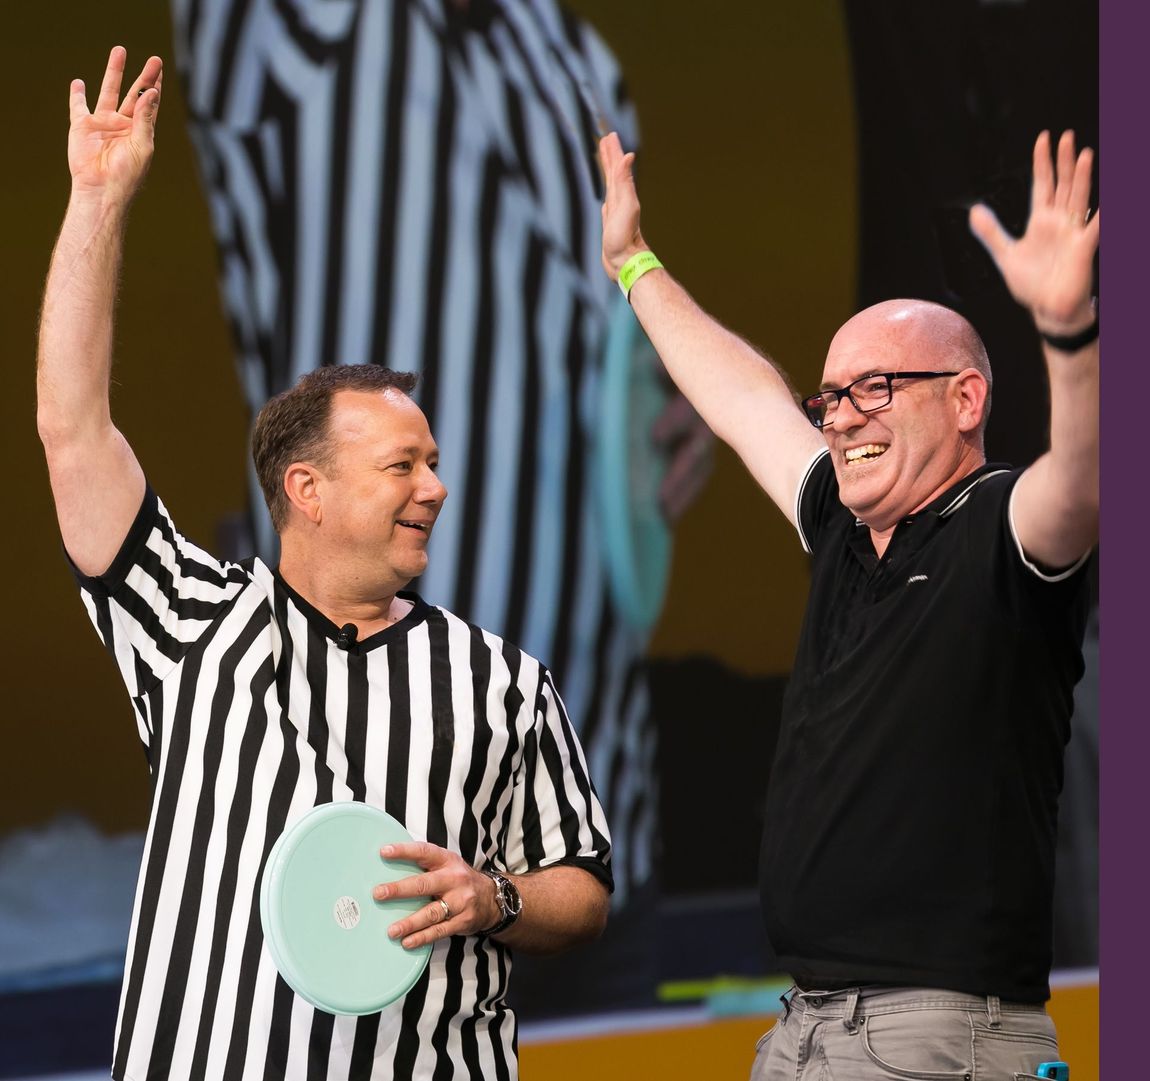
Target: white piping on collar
(959,499)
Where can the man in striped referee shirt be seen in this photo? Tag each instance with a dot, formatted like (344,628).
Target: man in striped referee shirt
(260,693)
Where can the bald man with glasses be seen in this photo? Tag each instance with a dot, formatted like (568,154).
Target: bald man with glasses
(907,867)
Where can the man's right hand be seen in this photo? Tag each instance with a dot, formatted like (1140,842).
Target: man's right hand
(621,236)
(110,148)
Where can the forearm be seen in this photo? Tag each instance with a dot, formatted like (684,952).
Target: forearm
(562,907)
(741,395)
(76,322)
(1064,480)
(96,481)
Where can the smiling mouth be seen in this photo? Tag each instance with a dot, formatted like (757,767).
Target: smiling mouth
(422,527)
(867,453)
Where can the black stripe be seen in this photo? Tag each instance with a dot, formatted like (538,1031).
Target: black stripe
(319,1045)
(503,1018)
(399,731)
(211,573)
(187,919)
(163,817)
(407,1045)
(468,1039)
(512,704)
(356,724)
(337,155)
(576,242)
(480,662)
(363,1048)
(452,999)
(443,728)
(527,457)
(276,340)
(552,760)
(573,496)
(239,817)
(317,728)
(594,716)
(389,174)
(435,310)
(481,376)
(226,65)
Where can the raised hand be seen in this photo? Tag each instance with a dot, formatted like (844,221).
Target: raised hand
(1049,269)
(621,236)
(110,147)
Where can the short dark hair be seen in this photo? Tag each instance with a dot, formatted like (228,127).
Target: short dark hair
(294,425)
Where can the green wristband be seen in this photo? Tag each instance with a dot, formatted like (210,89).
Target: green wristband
(635,267)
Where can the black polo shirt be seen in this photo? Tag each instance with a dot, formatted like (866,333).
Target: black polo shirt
(911,812)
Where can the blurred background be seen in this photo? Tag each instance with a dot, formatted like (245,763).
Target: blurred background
(797,163)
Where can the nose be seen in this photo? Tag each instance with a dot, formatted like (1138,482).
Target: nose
(431,489)
(847,416)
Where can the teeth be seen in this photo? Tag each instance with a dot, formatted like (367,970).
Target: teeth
(870,450)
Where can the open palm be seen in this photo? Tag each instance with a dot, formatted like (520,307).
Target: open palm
(1050,268)
(110,147)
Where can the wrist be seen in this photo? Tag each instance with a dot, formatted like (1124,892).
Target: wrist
(1073,334)
(641,262)
(508,902)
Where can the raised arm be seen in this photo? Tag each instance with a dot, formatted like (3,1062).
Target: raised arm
(1049,270)
(96,481)
(744,399)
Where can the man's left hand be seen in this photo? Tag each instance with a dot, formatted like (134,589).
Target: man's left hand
(468,894)
(1050,268)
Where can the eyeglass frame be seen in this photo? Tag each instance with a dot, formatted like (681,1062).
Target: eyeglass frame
(845,392)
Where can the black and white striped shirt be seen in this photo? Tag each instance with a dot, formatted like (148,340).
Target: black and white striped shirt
(250,715)
(398,182)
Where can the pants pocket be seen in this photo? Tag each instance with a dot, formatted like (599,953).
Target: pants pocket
(920,1045)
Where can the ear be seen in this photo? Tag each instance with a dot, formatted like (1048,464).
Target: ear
(970,393)
(302,482)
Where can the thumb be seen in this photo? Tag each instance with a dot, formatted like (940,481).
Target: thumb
(985,225)
(144,117)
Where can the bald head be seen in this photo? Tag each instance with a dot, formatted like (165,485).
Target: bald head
(936,337)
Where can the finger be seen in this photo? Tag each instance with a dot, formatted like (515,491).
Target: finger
(1092,229)
(427,925)
(1042,190)
(424,885)
(1065,179)
(113,76)
(421,852)
(144,117)
(149,76)
(985,225)
(1079,202)
(610,150)
(77,101)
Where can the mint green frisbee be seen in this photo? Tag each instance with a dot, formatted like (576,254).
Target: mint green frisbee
(325,932)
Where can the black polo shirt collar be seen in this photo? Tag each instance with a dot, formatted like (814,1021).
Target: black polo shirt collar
(915,529)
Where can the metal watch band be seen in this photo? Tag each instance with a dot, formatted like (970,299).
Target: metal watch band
(509,900)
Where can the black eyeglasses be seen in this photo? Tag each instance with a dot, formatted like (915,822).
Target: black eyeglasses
(867,394)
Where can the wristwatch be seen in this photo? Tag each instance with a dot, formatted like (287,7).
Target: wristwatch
(509,900)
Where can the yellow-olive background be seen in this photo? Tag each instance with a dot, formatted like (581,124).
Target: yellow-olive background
(747,176)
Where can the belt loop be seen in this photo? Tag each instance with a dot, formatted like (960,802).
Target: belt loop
(994,1010)
(850,1014)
